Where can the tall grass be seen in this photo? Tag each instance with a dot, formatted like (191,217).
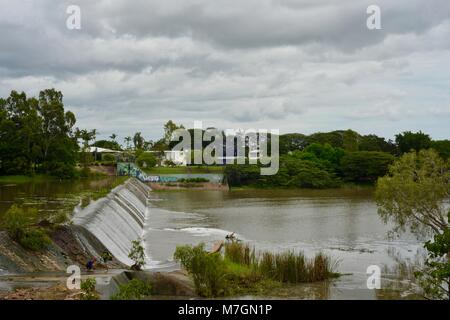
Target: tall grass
(241,270)
(288,267)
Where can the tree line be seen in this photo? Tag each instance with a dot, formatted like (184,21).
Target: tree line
(37,135)
(325,160)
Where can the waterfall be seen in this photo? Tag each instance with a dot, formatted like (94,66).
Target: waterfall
(118,219)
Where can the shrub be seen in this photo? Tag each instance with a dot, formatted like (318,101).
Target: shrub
(146,160)
(20,223)
(107,157)
(134,290)
(88,289)
(206,269)
(35,240)
(137,255)
(16,220)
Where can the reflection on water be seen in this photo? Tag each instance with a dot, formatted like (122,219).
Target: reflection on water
(342,223)
(50,196)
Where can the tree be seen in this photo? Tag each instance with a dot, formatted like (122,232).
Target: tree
(365,166)
(37,135)
(442,147)
(408,141)
(137,255)
(86,158)
(292,142)
(372,142)
(435,278)
(113,145)
(169,129)
(127,141)
(413,197)
(350,140)
(138,141)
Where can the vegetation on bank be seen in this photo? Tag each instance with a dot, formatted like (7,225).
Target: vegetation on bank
(22,226)
(413,196)
(242,271)
(31,228)
(328,160)
(135,289)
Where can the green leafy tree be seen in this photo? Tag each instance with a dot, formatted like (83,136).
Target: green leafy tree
(408,141)
(365,166)
(138,141)
(292,142)
(372,142)
(169,128)
(442,147)
(413,197)
(350,140)
(113,145)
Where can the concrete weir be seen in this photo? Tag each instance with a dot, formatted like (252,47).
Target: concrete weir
(118,219)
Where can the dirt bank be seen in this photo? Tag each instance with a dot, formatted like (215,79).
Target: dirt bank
(69,246)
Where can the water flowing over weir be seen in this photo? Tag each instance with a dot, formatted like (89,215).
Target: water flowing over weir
(118,219)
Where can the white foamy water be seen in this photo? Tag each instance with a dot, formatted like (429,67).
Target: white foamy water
(117,219)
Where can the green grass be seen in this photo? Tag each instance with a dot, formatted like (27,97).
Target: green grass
(184,170)
(240,271)
(25,179)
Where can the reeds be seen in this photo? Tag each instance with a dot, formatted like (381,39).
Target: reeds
(287,267)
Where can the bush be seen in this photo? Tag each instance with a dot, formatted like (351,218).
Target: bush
(134,290)
(35,240)
(146,160)
(20,224)
(107,157)
(88,289)
(206,269)
(16,220)
(137,255)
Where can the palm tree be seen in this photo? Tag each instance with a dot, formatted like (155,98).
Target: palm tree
(127,141)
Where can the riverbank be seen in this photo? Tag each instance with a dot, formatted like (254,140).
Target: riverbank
(52,285)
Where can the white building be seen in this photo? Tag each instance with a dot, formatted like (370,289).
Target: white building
(179,157)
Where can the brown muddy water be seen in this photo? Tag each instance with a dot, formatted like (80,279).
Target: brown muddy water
(342,223)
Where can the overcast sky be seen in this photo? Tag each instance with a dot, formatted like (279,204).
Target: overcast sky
(295,65)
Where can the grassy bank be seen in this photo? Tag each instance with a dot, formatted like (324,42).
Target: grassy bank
(242,271)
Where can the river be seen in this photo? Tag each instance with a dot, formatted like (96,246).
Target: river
(342,223)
